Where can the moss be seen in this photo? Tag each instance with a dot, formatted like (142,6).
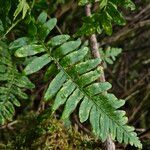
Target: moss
(48,134)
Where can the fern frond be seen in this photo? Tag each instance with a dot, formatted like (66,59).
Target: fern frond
(76,84)
(109,55)
(11,84)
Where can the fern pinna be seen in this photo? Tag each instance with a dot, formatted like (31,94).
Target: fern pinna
(75,82)
(12,85)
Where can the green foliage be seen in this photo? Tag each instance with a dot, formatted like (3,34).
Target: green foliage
(84,2)
(1,27)
(4,11)
(72,75)
(22,7)
(10,12)
(106,14)
(75,82)
(126,4)
(103,3)
(12,85)
(109,55)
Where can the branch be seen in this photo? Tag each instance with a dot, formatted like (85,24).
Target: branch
(145,133)
(124,33)
(9,125)
(80,125)
(108,144)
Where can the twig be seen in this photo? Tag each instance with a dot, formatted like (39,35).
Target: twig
(130,91)
(108,144)
(131,95)
(32,5)
(124,33)
(145,133)
(140,117)
(138,108)
(80,125)
(64,9)
(12,26)
(146,9)
(9,125)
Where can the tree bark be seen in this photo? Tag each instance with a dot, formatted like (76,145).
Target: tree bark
(108,144)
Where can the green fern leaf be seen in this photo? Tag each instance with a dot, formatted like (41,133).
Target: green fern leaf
(10,90)
(29,50)
(55,85)
(22,7)
(103,3)
(84,110)
(33,67)
(71,103)
(19,43)
(46,28)
(66,48)
(42,18)
(109,55)
(76,84)
(115,14)
(63,94)
(58,40)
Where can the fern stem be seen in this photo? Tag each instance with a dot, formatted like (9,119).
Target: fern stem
(108,144)
(12,26)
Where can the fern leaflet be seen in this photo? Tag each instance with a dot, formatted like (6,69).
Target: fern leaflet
(12,84)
